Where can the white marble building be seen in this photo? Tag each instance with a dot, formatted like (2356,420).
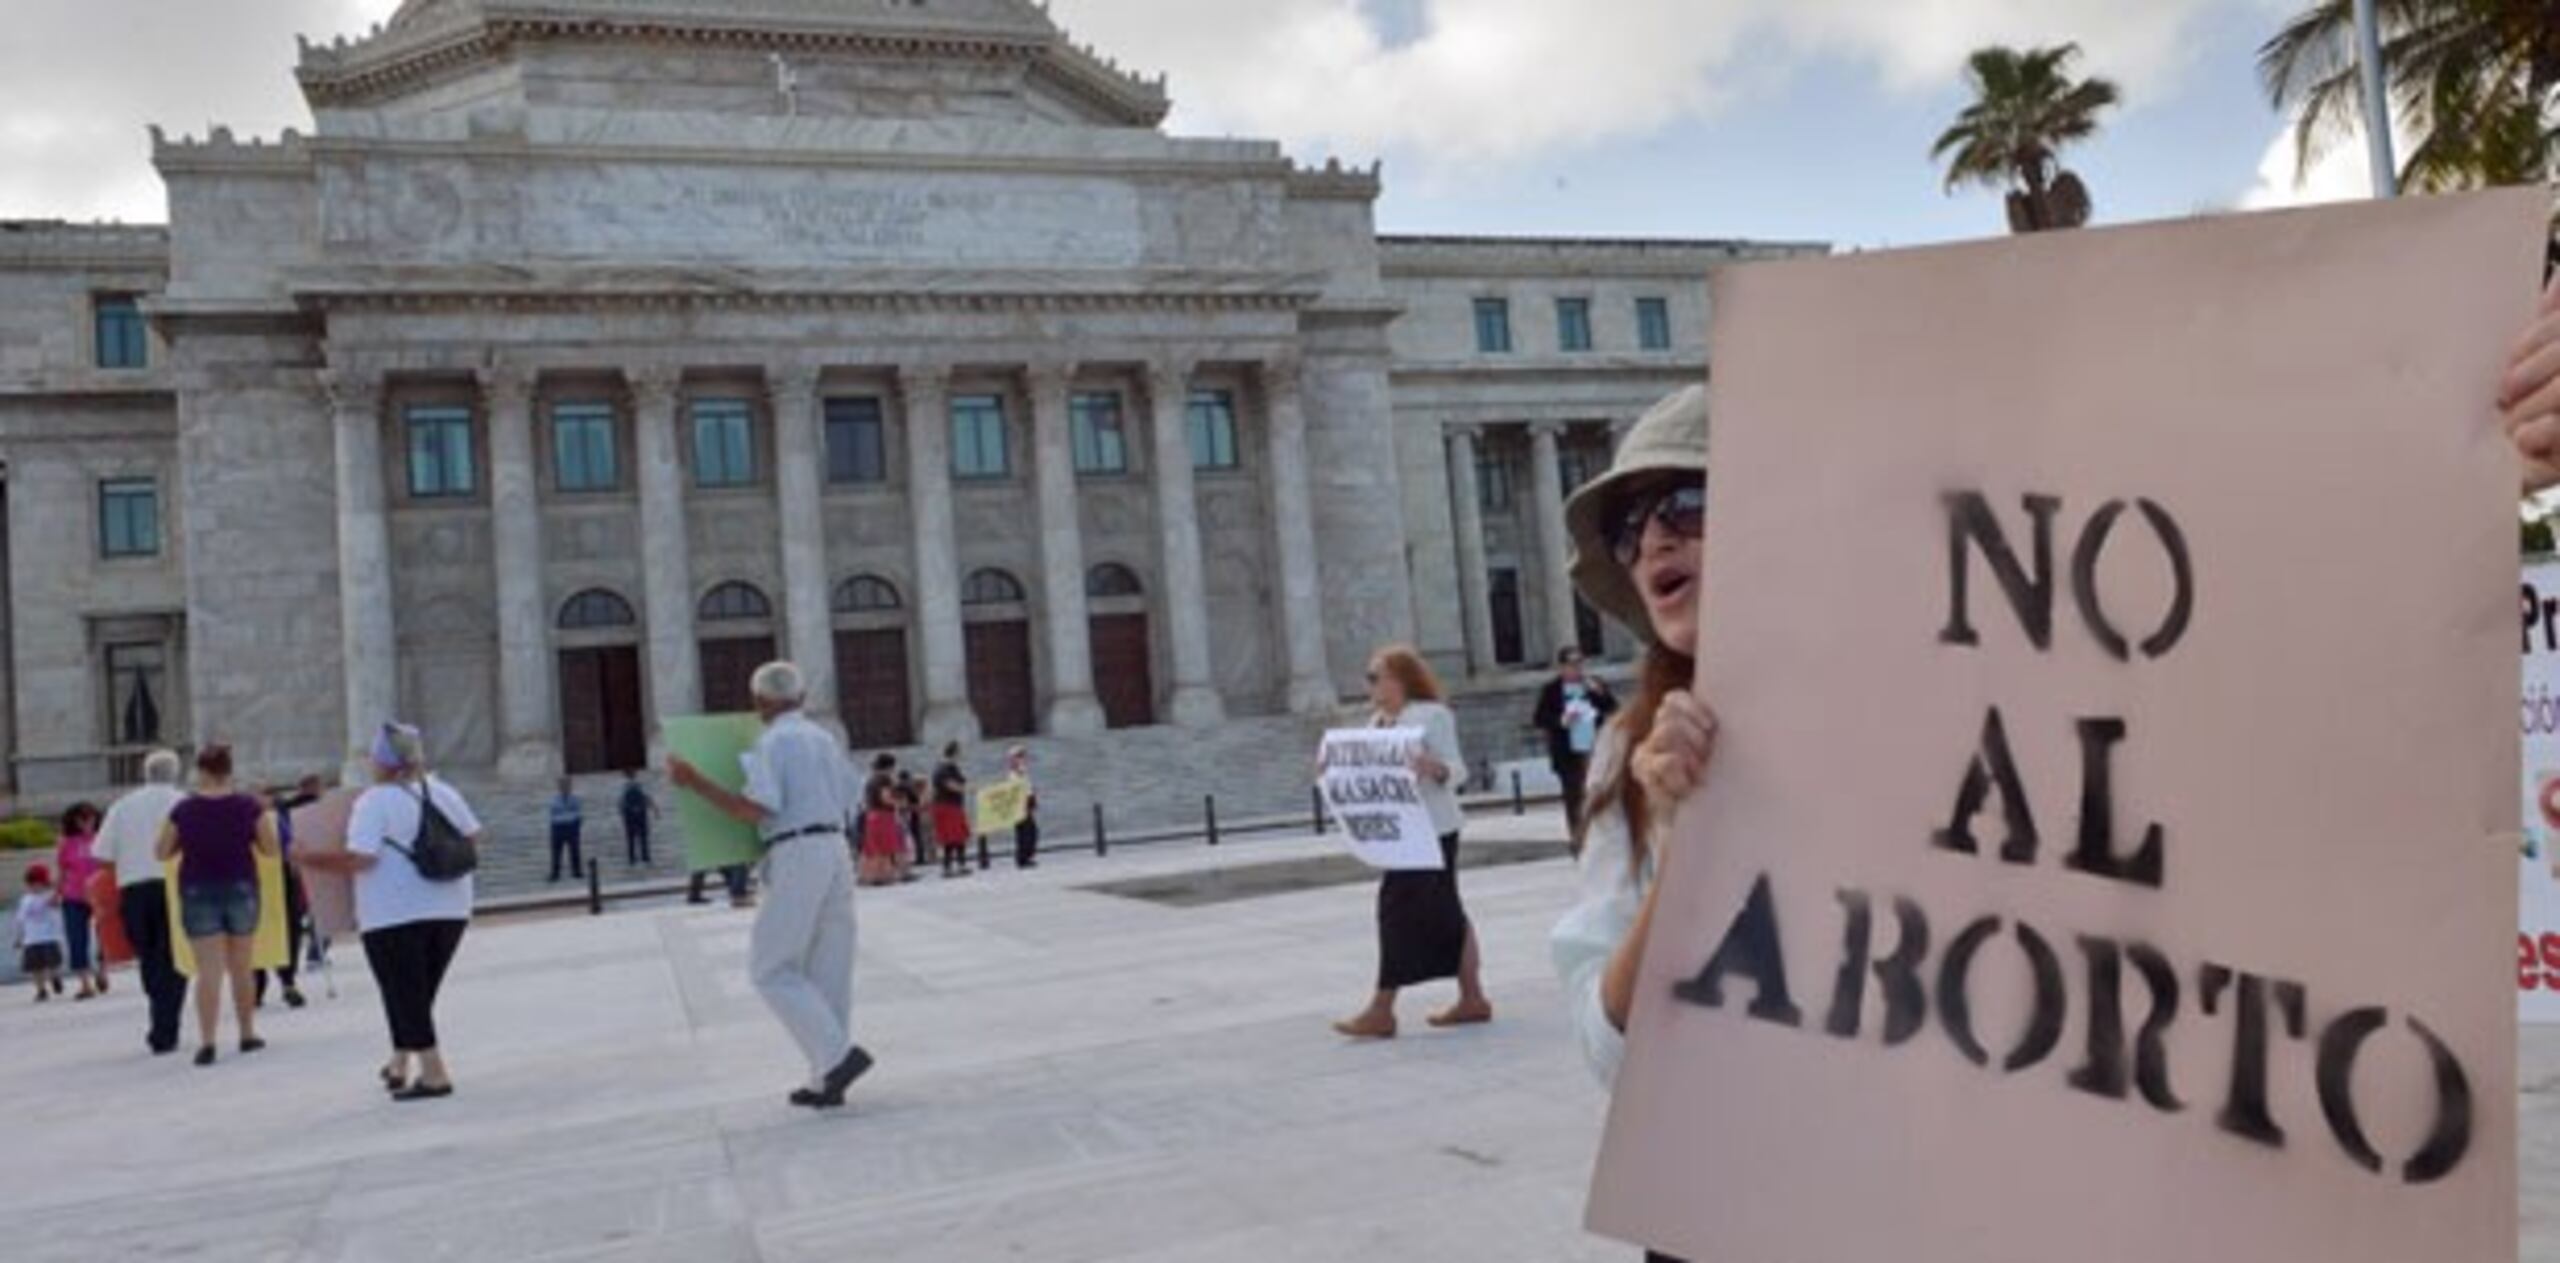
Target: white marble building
(592,351)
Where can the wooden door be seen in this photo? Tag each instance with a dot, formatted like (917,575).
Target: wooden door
(728,667)
(602,728)
(1123,672)
(871,688)
(1000,678)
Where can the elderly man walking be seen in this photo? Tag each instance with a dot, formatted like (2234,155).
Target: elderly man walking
(126,839)
(800,790)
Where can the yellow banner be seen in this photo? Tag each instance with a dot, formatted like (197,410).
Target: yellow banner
(1003,805)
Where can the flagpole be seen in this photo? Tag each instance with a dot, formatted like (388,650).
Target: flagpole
(2377,102)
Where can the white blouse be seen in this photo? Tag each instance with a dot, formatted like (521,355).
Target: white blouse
(1439,736)
(1612,894)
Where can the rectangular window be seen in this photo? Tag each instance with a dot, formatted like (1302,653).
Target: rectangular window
(977,437)
(1213,430)
(137,689)
(1493,326)
(857,443)
(1102,445)
(129,517)
(439,452)
(121,342)
(724,452)
(1493,484)
(582,456)
(1653,324)
(1573,324)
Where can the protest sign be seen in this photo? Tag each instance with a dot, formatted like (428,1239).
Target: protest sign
(320,828)
(1003,805)
(2538,878)
(1367,775)
(716,745)
(2110,831)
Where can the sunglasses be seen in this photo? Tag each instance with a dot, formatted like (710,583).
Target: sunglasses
(1682,510)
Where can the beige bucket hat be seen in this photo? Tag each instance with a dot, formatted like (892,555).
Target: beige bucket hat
(1671,438)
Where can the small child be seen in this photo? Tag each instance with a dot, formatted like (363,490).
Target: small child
(39,933)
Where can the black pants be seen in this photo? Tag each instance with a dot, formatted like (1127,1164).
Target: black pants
(409,962)
(1571,770)
(734,876)
(564,841)
(1026,844)
(635,840)
(146,924)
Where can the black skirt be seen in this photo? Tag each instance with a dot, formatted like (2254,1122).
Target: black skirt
(1422,927)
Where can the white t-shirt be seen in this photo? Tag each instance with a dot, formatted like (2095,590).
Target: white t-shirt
(39,920)
(131,830)
(391,892)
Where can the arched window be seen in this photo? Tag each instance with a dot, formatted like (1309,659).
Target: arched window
(867,594)
(732,602)
(1110,579)
(595,608)
(991,587)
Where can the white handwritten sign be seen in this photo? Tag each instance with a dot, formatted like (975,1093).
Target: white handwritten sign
(1368,781)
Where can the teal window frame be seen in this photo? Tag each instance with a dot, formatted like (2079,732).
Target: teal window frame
(123,339)
(1100,432)
(979,451)
(583,447)
(128,517)
(442,464)
(1653,324)
(724,446)
(1573,324)
(1493,326)
(1212,417)
(857,436)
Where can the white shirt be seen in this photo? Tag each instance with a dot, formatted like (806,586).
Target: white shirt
(131,830)
(1440,737)
(800,777)
(39,919)
(391,892)
(1583,942)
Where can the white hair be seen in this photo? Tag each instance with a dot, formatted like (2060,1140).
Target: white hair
(161,767)
(778,682)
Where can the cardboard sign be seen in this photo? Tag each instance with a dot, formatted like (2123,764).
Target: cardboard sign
(717,746)
(1003,805)
(2110,833)
(320,828)
(1369,786)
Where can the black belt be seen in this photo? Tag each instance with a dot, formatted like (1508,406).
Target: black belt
(812,831)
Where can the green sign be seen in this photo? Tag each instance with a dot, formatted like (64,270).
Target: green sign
(714,745)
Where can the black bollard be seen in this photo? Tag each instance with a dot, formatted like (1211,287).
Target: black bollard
(1519,805)
(1101,840)
(1315,796)
(1210,805)
(595,889)
(983,861)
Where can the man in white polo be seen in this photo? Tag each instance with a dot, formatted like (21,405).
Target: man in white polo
(800,790)
(125,839)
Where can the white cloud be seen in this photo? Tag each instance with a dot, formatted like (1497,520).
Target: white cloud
(1511,79)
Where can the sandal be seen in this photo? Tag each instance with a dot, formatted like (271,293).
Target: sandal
(423,1092)
(1463,1015)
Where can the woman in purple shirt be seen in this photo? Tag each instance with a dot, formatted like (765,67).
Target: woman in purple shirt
(217,836)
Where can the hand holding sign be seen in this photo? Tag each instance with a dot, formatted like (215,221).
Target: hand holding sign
(2530,394)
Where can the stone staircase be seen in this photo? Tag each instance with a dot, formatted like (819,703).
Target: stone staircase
(1146,779)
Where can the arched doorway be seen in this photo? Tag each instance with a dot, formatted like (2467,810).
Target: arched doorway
(871,664)
(998,635)
(602,725)
(736,638)
(1123,664)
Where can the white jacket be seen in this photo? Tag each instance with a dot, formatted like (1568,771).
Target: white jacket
(1612,894)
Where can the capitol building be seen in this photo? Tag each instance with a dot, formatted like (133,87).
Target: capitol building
(589,353)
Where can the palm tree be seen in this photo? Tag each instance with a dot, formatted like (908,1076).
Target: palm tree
(2026,108)
(2474,83)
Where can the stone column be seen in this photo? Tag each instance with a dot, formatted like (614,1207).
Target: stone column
(528,706)
(799,458)
(1072,708)
(666,549)
(368,650)
(1555,549)
(1475,603)
(1196,703)
(1294,528)
(947,717)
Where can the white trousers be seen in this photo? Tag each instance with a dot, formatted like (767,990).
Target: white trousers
(801,954)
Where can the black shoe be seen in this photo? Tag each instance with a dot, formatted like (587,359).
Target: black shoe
(423,1092)
(204,1056)
(809,1098)
(697,899)
(293,998)
(159,1049)
(251,1044)
(856,1062)
(391,1080)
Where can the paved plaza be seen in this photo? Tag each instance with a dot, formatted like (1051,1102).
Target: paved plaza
(1065,1075)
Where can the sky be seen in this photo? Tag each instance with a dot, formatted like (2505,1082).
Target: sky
(1799,120)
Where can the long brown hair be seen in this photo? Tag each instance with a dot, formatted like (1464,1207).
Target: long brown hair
(1420,683)
(1661,674)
